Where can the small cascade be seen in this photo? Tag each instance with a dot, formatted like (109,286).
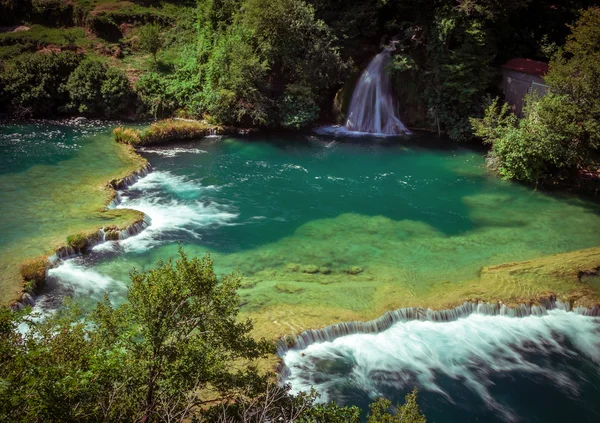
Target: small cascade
(124,183)
(386,321)
(372,106)
(135,229)
(102,235)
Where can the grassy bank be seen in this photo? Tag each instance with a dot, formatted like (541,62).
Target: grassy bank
(169,130)
(572,277)
(68,203)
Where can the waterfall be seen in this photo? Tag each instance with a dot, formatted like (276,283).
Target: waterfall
(386,321)
(372,107)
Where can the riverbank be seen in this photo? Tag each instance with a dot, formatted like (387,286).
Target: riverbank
(288,281)
(70,201)
(569,277)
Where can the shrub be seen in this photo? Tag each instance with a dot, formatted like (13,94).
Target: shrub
(297,107)
(53,12)
(153,91)
(34,270)
(169,130)
(126,136)
(97,90)
(35,85)
(105,27)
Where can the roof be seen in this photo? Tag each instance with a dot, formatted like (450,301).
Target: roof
(532,67)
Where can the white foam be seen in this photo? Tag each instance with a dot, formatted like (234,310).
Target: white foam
(467,350)
(82,280)
(342,131)
(172,152)
(163,180)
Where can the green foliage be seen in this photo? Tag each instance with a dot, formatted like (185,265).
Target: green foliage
(248,56)
(297,107)
(52,11)
(150,39)
(147,360)
(409,412)
(458,72)
(36,85)
(560,133)
(98,90)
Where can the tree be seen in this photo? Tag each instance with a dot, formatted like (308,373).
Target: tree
(409,412)
(150,39)
(147,360)
(98,90)
(35,84)
(559,134)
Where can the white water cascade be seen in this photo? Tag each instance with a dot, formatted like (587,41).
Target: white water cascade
(372,107)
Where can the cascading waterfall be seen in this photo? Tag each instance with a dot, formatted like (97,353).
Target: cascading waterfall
(372,107)
(67,252)
(330,333)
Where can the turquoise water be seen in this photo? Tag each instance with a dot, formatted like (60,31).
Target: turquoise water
(295,214)
(329,229)
(52,184)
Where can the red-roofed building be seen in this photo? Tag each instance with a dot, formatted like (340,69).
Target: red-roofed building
(521,77)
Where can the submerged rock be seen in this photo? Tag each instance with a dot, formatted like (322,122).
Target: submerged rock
(292,267)
(310,268)
(354,270)
(325,270)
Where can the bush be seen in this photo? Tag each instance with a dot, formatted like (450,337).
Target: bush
(153,91)
(105,27)
(170,130)
(53,12)
(128,136)
(35,85)
(97,90)
(34,270)
(297,107)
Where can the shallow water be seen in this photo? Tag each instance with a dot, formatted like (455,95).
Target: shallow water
(295,215)
(328,229)
(51,179)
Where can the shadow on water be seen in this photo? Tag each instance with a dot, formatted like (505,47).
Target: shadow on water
(279,183)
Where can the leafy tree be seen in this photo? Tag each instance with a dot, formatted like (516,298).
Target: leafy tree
(98,90)
(249,55)
(35,85)
(147,360)
(151,39)
(409,412)
(560,132)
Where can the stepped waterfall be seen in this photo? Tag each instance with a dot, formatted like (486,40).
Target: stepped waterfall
(372,107)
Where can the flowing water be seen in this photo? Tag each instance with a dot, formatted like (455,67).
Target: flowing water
(329,229)
(478,368)
(372,108)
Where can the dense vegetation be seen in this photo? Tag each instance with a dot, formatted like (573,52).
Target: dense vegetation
(175,350)
(272,62)
(559,136)
(281,63)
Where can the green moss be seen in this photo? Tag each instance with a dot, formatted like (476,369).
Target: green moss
(128,136)
(34,270)
(354,270)
(310,268)
(288,288)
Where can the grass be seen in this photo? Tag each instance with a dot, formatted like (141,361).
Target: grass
(34,270)
(165,131)
(41,36)
(128,136)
